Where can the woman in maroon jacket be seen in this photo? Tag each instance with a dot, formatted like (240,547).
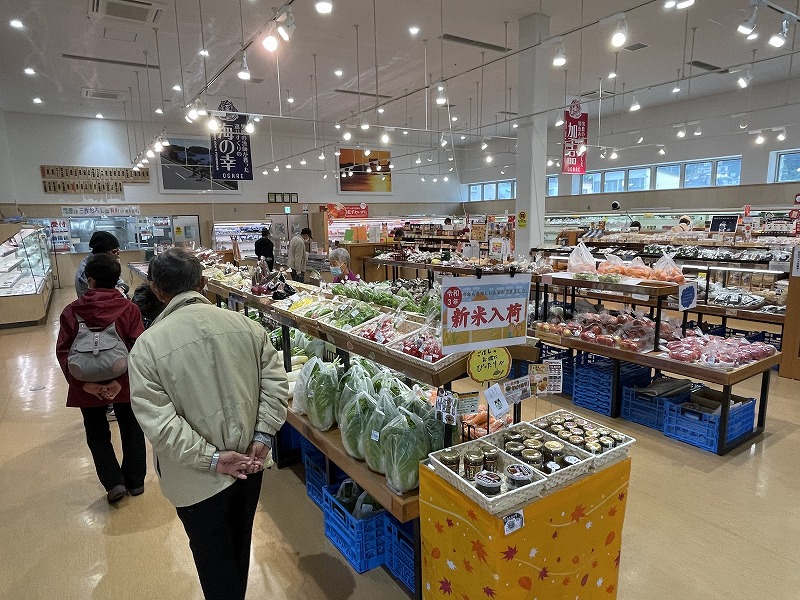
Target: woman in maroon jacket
(99,307)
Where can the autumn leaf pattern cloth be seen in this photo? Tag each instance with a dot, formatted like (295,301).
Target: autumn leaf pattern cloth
(567,549)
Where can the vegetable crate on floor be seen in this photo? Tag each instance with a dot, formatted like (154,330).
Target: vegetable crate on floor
(701,429)
(400,550)
(361,541)
(316,478)
(648,410)
(548,352)
(591,386)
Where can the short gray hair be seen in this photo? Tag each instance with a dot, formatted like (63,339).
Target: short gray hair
(176,271)
(340,256)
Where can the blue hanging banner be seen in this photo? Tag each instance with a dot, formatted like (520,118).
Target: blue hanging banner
(230,148)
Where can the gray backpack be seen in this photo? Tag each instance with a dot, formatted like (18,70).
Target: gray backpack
(97,355)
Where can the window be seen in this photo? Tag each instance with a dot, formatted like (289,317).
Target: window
(698,174)
(552,186)
(474,193)
(614,181)
(788,167)
(729,172)
(489,191)
(638,179)
(591,183)
(668,177)
(504,190)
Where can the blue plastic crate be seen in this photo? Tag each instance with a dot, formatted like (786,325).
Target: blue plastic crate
(701,429)
(593,377)
(647,410)
(361,541)
(315,476)
(400,551)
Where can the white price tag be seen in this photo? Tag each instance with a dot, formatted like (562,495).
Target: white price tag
(731,312)
(468,403)
(496,400)
(644,297)
(513,522)
(375,435)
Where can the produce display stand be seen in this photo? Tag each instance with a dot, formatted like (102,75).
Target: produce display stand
(568,545)
(431,269)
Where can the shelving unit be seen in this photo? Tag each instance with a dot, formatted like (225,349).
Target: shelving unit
(26,279)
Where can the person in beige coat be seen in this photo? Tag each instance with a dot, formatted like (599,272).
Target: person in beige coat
(298,255)
(209,392)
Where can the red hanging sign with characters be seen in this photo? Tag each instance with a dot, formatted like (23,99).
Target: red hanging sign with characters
(576,134)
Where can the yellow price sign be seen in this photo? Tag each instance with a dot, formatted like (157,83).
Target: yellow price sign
(522,219)
(489,365)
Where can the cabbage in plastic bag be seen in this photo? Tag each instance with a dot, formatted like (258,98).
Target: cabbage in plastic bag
(385,411)
(300,398)
(357,380)
(323,396)
(348,494)
(405,443)
(353,422)
(387,380)
(416,402)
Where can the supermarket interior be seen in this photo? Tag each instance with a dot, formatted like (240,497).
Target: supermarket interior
(525,267)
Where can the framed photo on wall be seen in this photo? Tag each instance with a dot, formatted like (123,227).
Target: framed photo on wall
(279,198)
(360,180)
(271,197)
(294,198)
(185,167)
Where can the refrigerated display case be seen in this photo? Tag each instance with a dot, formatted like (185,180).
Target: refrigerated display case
(25,274)
(244,233)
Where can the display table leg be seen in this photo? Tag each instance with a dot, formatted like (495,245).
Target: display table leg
(616,390)
(723,419)
(417,560)
(286,347)
(723,447)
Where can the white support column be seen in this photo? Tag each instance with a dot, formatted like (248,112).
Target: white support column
(533,76)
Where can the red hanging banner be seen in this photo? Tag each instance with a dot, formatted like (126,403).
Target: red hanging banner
(576,134)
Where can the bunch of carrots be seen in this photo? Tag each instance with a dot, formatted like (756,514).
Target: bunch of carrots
(482,423)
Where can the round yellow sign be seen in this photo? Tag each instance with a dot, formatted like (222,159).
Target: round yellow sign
(489,365)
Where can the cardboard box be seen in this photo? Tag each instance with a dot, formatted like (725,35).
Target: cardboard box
(712,399)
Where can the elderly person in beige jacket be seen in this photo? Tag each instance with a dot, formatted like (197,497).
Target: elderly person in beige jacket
(298,255)
(209,391)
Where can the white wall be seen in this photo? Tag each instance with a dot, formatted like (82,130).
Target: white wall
(40,140)
(7,191)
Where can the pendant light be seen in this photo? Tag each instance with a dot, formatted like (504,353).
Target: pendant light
(244,71)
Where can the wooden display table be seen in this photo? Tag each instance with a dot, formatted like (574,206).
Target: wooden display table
(568,546)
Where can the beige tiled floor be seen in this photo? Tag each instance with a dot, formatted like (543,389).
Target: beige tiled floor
(698,526)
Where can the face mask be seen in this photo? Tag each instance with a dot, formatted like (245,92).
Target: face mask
(336,271)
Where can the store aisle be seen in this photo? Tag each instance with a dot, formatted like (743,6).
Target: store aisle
(698,526)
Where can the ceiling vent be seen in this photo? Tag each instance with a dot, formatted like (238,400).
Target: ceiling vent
(635,47)
(595,95)
(137,11)
(475,43)
(92,94)
(707,67)
(366,95)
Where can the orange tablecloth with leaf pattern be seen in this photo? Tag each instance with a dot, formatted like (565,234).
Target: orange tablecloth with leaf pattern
(567,549)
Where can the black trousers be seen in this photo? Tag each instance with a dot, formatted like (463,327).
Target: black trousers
(134,452)
(297,276)
(219,530)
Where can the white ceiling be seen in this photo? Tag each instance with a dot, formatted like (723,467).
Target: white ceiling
(57,27)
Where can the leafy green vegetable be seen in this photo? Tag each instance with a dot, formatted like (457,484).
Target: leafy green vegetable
(384,412)
(356,415)
(323,393)
(434,428)
(352,313)
(353,383)
(300,397)
(405,443)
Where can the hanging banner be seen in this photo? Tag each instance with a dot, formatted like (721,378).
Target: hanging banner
(486,312)
(576,134)
(230,148)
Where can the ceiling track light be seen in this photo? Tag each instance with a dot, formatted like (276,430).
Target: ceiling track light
(346,135)
(251,126)
(244,71)
(550,162)
(321,155)
(744,80)
(364,125)
(603,153)
(303,160)
(635,105)
(489,158)
(698,130)
(559,120)
(270,42)
(760,139)
(778,40)
(441,98)
(748,26)
(681,4)
(781,135)
(385,138)
(287,27)
(213,123)
(560,57)
(620,35)
(662,151)
(614,154)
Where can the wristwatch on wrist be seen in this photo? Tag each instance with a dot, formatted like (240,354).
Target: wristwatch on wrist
(214,461)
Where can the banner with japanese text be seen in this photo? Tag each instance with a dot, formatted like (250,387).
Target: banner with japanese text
(576,134)
(230,148)
(486,312)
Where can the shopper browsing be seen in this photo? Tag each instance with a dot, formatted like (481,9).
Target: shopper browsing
(684,224)
(265,248)
(210,392)
(101,242)
(298,255)
(101,313)
(340,266)
(149,305)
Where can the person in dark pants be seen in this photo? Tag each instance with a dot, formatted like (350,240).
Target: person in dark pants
(209,391)
(298,255)
(265,248)
(99,307)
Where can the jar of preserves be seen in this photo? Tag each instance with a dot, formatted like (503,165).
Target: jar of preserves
(513,436)
(553,450)
(514,448)
(518,475)
(488,483)
(490,456)
(533,444)
(473,464)
(533,458)
(451,459)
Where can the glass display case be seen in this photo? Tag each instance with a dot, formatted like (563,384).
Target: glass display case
(245,233)
(25,273)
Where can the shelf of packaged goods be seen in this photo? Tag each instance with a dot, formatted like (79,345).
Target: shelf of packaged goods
(404,508)
(651,289)
(404,264)
(10,265)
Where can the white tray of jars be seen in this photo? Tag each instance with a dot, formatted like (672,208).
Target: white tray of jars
(509,498)
(566,473)
(607,456)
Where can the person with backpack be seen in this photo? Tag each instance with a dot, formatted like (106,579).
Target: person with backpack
(97,332)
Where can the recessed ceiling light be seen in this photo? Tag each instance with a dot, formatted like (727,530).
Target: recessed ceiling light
(381,110)
(454,119)
(347,135)
(37,100)
(413,30)
(16,23)
(385,138)
(676,89)
(176,87)
(612,75)
(99,116)
(463,137)
(290,100)
(324,8)
(338,72)
(203,52)
(30,71)
(158,111)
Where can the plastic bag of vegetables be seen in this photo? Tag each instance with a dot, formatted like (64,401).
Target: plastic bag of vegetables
(385,411)
(417,403)
(353,383)
(405,443)
(323,394)
(387,380)
(354,417)
(300,399)
(348,494)
(366,506)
